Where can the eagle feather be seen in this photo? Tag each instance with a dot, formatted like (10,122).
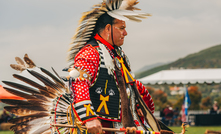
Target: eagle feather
(22,87)
(29,62)
(18,67)
(19,61)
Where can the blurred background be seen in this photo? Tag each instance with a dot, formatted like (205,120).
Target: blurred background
(179,35)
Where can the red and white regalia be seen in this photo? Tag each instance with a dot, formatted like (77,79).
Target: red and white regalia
(99,98)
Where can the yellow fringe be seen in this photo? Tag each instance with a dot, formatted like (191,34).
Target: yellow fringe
(76,122)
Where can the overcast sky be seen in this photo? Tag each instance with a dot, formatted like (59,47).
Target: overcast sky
(43,29)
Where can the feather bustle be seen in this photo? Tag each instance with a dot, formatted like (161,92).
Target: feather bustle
(37,104)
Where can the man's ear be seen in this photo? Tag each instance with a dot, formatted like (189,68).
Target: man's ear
(108,28)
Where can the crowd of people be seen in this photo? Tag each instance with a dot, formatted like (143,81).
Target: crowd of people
(172,117)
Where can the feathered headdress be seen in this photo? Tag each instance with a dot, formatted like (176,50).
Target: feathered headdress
(118,9)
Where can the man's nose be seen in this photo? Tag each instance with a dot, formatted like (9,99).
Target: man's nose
(125,33)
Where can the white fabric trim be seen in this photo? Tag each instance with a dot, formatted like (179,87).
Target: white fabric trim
(107,59)
(82,103)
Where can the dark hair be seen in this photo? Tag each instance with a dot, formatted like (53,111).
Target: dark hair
(102,22)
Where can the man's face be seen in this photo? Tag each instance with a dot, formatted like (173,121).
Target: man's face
(119,32)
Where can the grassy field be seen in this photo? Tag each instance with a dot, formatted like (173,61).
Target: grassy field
(6,132)
(196,129)
(190,130)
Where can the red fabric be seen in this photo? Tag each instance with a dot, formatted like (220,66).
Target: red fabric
(88,59)
(89,120)
(6,95)
(81,90)
(97,37)
(146,96)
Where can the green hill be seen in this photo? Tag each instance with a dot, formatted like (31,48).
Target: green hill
(207,58)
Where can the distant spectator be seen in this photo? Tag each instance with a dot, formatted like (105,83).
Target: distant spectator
(215,108)
(168,114)
(5,116)
(176,114)
(162,115)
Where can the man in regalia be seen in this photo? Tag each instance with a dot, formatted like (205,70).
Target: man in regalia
(97,97)
(103,91)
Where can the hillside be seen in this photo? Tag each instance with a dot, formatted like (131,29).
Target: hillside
(148,67)
(207,58)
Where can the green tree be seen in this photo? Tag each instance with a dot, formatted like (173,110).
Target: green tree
(195,97)
(179,103)
(206,103)
(160,95)
(159,98)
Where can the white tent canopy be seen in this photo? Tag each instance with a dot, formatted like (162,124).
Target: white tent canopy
(184,76)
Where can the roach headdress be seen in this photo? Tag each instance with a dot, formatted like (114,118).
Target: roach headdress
(118,9)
